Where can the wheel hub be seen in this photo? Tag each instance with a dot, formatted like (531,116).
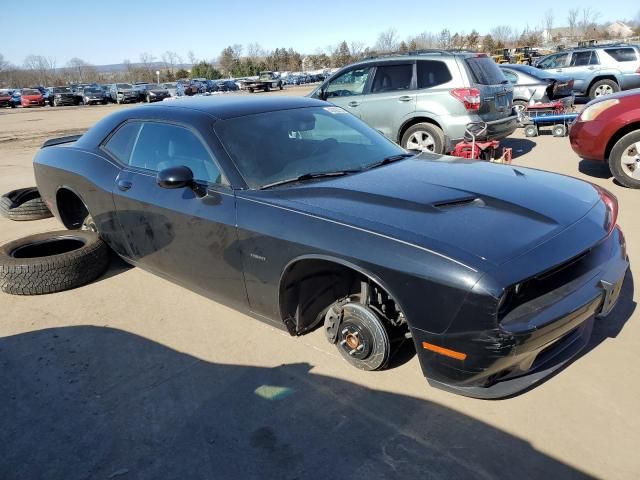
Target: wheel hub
(354,340)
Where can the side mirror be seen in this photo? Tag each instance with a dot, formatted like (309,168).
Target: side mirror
(175,177)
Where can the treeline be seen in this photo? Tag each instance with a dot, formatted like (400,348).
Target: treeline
(238,61)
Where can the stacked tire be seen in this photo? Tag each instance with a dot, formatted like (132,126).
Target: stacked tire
(23,204)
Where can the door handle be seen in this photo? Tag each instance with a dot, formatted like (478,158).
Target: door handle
(124,185)
(353,104)
(404,98)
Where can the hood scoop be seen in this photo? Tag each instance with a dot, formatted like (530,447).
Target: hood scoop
(459,202)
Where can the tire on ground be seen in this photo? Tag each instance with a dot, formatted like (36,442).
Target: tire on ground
(614,86)
(52,262)
(429,128)
(618,169)
(24,204)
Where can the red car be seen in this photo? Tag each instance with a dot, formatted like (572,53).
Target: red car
(608,129)
(5,98)
(31,98)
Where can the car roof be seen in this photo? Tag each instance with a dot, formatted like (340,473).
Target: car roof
(238,106)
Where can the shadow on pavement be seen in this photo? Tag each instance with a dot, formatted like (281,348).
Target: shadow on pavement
(520,146)
(91,402)
(594,168)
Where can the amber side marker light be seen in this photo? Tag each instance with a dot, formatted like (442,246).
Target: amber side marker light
(444,351)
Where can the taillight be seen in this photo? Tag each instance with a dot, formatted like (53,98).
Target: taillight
(469,96)
(611,202)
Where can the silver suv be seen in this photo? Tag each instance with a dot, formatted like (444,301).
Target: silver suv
(599,70)
(424,100)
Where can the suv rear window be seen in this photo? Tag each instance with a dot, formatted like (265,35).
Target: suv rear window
(484,71)
(432,73)
(622,54)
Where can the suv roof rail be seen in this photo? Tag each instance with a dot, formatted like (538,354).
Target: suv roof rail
(601,45)
(424,51)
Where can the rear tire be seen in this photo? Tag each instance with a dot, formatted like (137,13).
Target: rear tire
(23,204)
(559,131)
(423,136)
(52,262)
(603,87)
(624,160)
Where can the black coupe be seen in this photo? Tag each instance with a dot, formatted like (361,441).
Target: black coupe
(297,212)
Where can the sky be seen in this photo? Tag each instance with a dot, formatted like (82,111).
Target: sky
(108,32)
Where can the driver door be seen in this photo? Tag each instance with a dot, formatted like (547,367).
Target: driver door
(185,234)
(347,90)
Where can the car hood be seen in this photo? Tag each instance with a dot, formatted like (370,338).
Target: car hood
(478,213)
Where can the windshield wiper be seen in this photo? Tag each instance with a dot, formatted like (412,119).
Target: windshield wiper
(309,176)
(390,159)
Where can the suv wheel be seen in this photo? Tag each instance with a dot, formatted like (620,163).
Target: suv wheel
(603,87)
(425,137)
(624,160)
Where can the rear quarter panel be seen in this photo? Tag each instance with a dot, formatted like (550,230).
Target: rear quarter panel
(90,176)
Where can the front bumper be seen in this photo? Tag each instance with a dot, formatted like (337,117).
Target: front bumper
(589,139)
(533,340)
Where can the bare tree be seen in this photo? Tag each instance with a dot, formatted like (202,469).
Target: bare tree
(425,40)
(502,34)
(147,60)
(387,41)
(587,20)
(42,68)
(548,24)
(80,71)
(4,65)
(170,59)
(572,20)
(444,39)
(357,49)
(191,57)
(255,51)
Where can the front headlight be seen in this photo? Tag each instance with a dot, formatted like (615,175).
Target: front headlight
(592,111)
(152,94)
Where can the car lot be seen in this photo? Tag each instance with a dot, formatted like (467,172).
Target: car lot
(148,378)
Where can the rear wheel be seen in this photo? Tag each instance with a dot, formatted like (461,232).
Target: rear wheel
(603,87)
(425,137)
(624,160)
(559,131)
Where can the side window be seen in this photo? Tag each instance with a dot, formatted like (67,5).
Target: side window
(624,54)
(390,78)
(432,73)
(349,83)
(161,146)
(509,75)
(580,59)
(554,61)
(121,143)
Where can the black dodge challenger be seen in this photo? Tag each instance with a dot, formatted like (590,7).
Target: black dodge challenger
(301,215)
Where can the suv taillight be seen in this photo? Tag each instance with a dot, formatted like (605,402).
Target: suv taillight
(469,96)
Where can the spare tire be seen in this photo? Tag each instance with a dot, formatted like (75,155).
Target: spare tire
(24,204)
(52,262)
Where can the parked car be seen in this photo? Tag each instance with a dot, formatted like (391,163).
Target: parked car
(424,101)
(63,96)
(598,70)
(185,88)
(226,86)
(123,93)
(608,130)
(5,98)
(155,93)
(496,272)
(172,88)
(16,97)
(266,81)
(532,84)
(30,97)
(93,95)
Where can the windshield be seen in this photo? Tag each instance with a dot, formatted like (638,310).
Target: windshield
(276,146)
(124,85)
(30,92)
(61,90)
(92,90)
(154,86)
